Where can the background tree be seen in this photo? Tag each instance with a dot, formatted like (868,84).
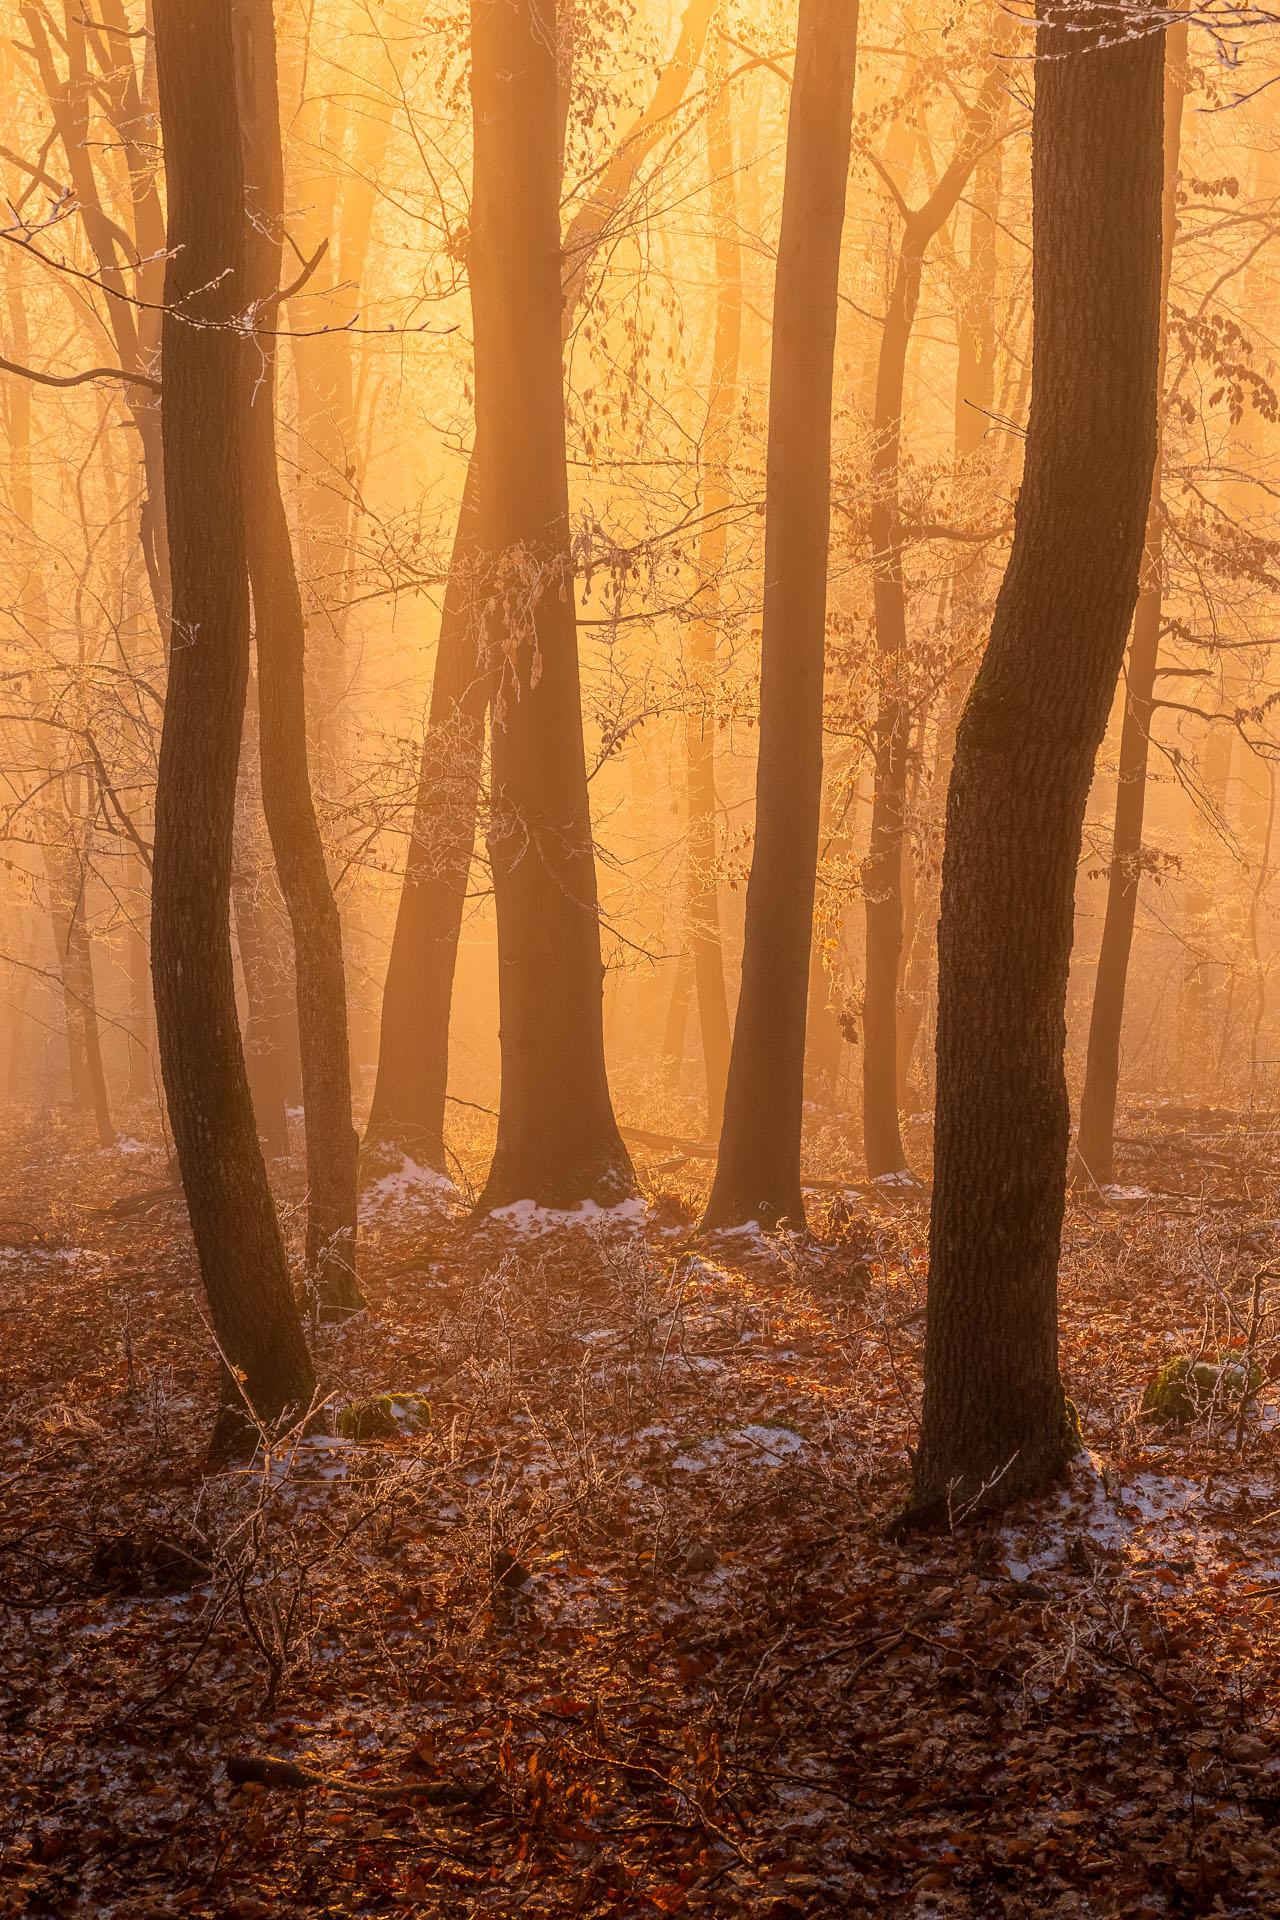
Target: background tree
(331,1140)
(1095,1140)
(558,1141)
(758,1171)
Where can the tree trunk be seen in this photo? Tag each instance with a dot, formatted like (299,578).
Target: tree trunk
(882,870)
(204,414)
(1095,1160)
(407,1114)
(703,903)
(558,1142)
(995,1423)
(264,1061)
(758,1171)
(331,1140)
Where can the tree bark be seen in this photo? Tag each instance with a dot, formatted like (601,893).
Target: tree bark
(1095,1157)
(204,416)
(995,1423)
(331,1141)
(758,1171)
(558,1141)
(407,1113)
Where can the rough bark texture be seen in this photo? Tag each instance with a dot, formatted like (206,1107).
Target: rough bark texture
(205,400)
(758,1171)
(1095,1142)
(995,1422)
(331,1140)
(558,1142)
(407,1113)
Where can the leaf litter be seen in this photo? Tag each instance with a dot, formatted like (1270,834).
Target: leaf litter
(624,1627)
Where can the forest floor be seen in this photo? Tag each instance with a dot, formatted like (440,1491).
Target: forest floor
(622,1629)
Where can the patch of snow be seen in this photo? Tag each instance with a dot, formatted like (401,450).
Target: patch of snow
(406,1185)
(774,1441)
(127,1144)
(527,1218)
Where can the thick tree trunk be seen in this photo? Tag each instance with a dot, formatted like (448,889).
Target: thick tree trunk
(204,413)
(407,1114)
(331,1140)
(995,1424)
(1095,1158)
(558,1142)
(758,1171)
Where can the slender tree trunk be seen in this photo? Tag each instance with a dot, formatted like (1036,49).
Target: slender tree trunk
(1095,1160)
(758,1171)
(204,413)
(882,872)
(264,1061)
(138,1084)
(1203,971)
(407,1113)
(700,720)
(995,1424)
(675,1029)
(331,1139)
(558,1142)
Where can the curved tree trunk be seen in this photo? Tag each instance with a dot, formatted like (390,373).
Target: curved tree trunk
(204,414)
(331,1139)
(995,1424)
(558,1142)
(758,1171)
(1095,1161)
(409,1096)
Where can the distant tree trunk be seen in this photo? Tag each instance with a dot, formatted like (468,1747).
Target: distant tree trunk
(264,1060)
(407,1113)
(675,1028)
(558,1142)
(331,1139)
(1095,1162)
(758,1171)
(204,409)
(700,720)
(882,870)
(139,1085)
(995,1424)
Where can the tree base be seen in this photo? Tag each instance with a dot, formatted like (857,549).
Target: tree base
(606,1179)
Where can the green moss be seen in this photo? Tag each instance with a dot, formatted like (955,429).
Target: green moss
(384,1416)
(1073,1431)
(1186,1388)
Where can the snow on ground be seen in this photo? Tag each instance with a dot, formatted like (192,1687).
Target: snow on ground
(531,1221)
